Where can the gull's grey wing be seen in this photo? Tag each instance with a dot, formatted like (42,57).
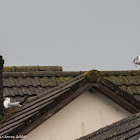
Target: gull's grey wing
(13,104)
(136,58)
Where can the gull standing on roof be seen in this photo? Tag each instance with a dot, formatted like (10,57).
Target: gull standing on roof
(136,60)
(8,104)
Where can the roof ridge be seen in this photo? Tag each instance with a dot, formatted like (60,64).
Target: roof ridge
(121,73)
(31,68)
(42,73)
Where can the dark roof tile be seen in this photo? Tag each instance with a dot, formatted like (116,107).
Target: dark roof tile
(21,81)
(129,89)
(16,82)
(6,91)
(32,91)
(11,92)
(40,89)
(37,80)
(53,81)
(15,90)
(29,81)
(19,92)
(7,82)
(12,81)
(25,90)
(37,92)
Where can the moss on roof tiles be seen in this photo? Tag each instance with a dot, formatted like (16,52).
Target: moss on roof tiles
(126,80)
(138,89)
(133,89)
(129,90)
(121,73)
(8,69)
(31,68)
(50,68)
(117,80)
(93,76)
(137,80)
(122,87)
(116,73)
(43,73)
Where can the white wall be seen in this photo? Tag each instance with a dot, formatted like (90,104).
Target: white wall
(87,113)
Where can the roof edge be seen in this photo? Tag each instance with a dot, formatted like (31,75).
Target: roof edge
(95,76)
(31,68)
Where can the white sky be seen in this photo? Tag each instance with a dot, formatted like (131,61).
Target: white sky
(76,34)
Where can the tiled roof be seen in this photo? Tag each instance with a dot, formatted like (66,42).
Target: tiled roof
(37,111)
(19,81)
(126,129)
(45,104)
(128,81)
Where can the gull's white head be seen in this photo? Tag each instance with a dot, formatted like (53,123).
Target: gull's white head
(136,60)
(7,99)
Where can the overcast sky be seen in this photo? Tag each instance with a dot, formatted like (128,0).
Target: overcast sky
(76,34)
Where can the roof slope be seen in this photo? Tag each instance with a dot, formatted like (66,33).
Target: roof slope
(20,81)
(128,81)
(37,111)
(126,129)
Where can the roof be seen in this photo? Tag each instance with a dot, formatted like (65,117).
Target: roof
(128,81)
(21,81)
(126,129)
(44,105)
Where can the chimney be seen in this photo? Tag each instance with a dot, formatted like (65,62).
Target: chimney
(1,84)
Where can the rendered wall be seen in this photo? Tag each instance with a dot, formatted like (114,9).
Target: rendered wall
(87,113)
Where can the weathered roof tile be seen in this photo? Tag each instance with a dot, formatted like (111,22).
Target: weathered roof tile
(123,87)
(32,90)
(29,81)
(7,82)
(37,80)
(11,92)
(11,81)
(133,89)
(16,82)
(129,89)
